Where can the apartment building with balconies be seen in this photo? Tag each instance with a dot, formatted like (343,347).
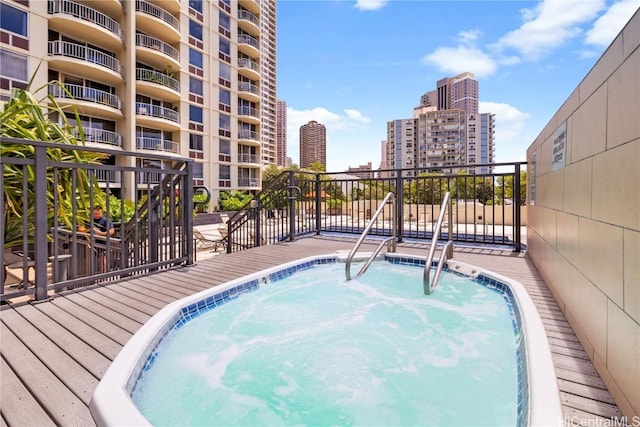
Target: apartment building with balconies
(189,78)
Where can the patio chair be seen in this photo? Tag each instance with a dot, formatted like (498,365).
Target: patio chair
(203,242)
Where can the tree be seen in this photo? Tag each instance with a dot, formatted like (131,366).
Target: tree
(504,189)
(23,116)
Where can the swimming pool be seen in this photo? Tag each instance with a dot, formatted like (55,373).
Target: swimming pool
(513,384)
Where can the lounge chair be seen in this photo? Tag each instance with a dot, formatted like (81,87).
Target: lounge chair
(203,242)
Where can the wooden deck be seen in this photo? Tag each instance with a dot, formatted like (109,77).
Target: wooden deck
(54,353)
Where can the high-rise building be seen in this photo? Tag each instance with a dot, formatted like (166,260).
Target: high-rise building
(447,131)
(313,144)
(194,79)
(281,133)
(361,171)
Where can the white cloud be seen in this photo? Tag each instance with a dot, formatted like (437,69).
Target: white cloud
(370,4)
(510,122)
(459,59)
(469,37)
(609,25)
(548,26)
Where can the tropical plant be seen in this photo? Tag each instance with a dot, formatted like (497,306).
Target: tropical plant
(233,200)
(23,116)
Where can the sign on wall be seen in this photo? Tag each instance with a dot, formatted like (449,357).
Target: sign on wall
(531,178)
(559,153)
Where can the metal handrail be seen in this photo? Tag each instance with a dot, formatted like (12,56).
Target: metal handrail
(390,241)
(447,251)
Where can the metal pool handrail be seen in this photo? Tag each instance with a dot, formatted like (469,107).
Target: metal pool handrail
(390,241)
(447,251)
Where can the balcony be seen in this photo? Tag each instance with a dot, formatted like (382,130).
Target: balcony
(157,144)
(87,100)
(77,59)
(157,117)
(248,45)
(251,5)
(249,114)
(112,177)
(101,136)
(248,158)
(157,84)
(249,137)
(249,91)
(249,68)
(85,23)
(248,182)
(156,53)
(153,19)
(249,22)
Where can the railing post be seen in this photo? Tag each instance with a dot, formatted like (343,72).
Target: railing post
(450,234)
(399,224)
(292,208)
(40,202)
(257,228)
(318,204)
(517,205)
(187,209)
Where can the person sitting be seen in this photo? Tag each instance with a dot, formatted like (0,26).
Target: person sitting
(102,227)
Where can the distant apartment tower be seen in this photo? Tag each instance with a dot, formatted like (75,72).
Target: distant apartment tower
(446,132)
(362,171)
(172,78)
(281,133)
(313,144)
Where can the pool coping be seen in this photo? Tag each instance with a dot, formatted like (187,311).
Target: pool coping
(111,403)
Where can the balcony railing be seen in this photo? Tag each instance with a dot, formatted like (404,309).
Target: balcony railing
(156,44)
(157,144)
(78,51)
(110,176)
(84,93)
(248,87)
(247,39)
(245,110)
(247,182)
(158,12)
(248,134)
(85,13)
(145,109)
(247,158)
(153,76)
(248,16)
(248,63)
(100,136)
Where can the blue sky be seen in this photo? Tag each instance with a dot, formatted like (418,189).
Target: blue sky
(354,65)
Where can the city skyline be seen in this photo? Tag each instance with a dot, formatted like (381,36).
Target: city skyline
(528,56)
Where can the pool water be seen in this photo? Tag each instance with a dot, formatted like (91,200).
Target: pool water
(314,349)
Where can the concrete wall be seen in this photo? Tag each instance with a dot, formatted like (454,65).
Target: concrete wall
(584,213)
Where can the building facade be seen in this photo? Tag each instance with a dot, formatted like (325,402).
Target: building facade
(446,131)
(361,171)
(189,78)
(281,133)
(313,144)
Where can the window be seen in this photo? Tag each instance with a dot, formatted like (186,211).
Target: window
(196,86)
(224,150)
(225,47)
(225,172)
(195,58)
(14,20)
(198,170)
(14,69)
(195,29)
(196,5)
(225,21)
(225,71)
(195,114)
(195,142)
(225,97)
(225,122)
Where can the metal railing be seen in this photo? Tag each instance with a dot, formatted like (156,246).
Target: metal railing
(144,40)
(248,39)
(248,63)
(248,16)
(146,75)
(78,51)
(100,136)
(248,87)
(447,250)
(248,134)
(85,93)
(389,241)
(85,13)
(157,111)
(158,12)
(247,158)
(157,144)
(153,222)
(245,110)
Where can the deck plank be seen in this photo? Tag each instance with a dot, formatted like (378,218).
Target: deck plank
(94,323)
